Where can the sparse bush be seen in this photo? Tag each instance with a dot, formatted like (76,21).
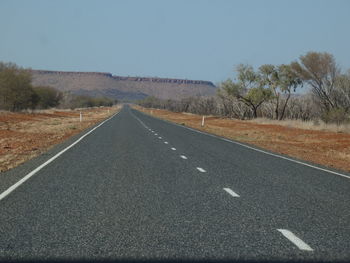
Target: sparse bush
(47,97)
(337,116)
(86,101)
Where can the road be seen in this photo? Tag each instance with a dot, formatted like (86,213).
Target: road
(138,187)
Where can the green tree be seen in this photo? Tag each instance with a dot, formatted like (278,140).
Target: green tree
(320,71)
(269,77)
(343,91)
(248,88)
(282,81)
(16,92)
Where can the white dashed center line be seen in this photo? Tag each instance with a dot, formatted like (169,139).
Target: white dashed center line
(159,137)
(166,142)
(201,170)
(228,190)
(156,134)
(183,157)
(295,240)
(174,149)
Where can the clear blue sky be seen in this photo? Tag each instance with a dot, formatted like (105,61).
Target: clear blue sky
(182,39)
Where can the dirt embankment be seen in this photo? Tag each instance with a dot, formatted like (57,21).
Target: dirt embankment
(24,136)
(331,149)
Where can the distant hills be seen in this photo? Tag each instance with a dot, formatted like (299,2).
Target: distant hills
(122,88)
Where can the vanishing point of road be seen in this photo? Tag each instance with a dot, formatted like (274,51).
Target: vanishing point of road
(136,187)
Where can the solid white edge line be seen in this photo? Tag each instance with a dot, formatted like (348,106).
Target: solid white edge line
(295,240)
(201,169)
(25,178)
(252,148)
(229,191)
(183,157)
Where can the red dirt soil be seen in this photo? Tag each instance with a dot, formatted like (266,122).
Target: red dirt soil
(26,135)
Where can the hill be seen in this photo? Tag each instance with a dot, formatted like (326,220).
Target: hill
(122,88)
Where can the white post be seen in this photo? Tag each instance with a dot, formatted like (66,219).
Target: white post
(151,112)
(80,117)
(203,121)
(108,110)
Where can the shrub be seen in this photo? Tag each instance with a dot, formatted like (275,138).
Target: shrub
(47,97)
(86,101)
(337,116)
(16,92)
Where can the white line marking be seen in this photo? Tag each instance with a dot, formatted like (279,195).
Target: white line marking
(228,190)
(152,131)
(166,142)
(25,178)
(174,149)
(159,137)
(295,240)
(156,134)
(144,125)
(252,148)
(201,169)
(183,157)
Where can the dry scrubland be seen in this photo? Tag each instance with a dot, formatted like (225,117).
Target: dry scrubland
(327,145)
(26,135)
(318,125)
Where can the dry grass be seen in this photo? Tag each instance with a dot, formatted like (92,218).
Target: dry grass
(321,146)
(26,135)
(318,125)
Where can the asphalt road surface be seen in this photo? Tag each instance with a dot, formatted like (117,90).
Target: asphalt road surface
(137,187)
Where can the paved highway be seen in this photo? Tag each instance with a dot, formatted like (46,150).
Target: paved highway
(137,187)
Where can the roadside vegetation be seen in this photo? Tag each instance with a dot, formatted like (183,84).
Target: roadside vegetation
(17,93)
(311,89)
(54,115)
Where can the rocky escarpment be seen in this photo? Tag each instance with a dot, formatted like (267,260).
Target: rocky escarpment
(122,88)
